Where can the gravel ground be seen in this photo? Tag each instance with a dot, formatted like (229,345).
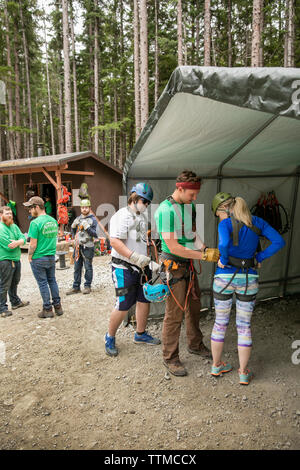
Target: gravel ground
(59,390)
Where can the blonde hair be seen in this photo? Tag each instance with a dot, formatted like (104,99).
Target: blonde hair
(240,210)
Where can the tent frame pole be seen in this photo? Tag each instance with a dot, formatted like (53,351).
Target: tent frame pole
(220,177)
(291,233)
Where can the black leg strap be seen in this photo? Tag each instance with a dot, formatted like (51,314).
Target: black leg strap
(245,298)
(219,296)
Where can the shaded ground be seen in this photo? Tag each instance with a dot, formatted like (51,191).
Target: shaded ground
(60,391)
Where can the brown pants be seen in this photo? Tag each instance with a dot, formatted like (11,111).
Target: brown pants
(174,316)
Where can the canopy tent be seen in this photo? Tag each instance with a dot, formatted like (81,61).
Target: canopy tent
(238,128)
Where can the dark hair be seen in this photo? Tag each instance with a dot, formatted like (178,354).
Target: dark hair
(188,176)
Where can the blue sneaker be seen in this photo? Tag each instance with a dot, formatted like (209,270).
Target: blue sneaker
(145,338)
(246,378)
(221,369)
(110,345)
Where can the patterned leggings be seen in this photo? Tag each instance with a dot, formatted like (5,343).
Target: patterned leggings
(244,310)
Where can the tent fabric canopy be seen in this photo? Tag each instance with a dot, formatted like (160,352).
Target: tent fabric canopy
(207,113)
(238,128)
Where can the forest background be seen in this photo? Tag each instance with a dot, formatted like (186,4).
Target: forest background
(85,74)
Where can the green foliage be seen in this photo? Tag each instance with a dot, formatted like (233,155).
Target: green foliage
(114,20)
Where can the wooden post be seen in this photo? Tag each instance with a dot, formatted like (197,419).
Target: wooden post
(59,196)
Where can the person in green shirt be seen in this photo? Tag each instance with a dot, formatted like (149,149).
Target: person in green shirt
(176,224)
(48,206)
(11,239)
(43,232)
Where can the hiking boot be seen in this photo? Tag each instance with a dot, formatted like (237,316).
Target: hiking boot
(110,345)
(86,290)
(145,338)
(176,368)
(6,313)
(58,309)
(46,313)
(21,304)
(221,369)
(202,351)
(73,291)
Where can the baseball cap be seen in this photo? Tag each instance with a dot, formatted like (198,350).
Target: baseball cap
(34,201)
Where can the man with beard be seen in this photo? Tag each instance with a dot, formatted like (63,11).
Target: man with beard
(84,230)
(43,232)
(11,239)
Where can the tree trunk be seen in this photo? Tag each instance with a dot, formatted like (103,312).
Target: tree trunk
(122,90)
(229,33)
(18,139)
(179,33)
(67,79)
(11,147)
(156,72)
(96,83)
(26,60)
(289,54)
(137,96)
(144,63)
(197,39)
(49,94)
(207,33)
(256,33)
(61,133)
(261,25)
(76,120)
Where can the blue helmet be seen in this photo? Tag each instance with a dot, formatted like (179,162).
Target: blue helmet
(157,293)
(143,190)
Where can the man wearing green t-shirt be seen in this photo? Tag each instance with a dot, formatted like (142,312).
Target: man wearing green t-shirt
(175,220)
(43,232)
(48,205)
(11,239)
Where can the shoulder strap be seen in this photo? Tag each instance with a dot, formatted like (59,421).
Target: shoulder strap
(175,207)
(236,226)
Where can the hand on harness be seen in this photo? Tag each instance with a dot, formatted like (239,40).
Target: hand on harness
(84,224)
(211,255)
(139,260)
(75,223)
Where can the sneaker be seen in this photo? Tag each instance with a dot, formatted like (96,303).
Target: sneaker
(246,378)
(73,291)
(6,313)
(176,368)
(202,351)
(221,369)
(86,290)
(21,304)
(110,345)
(46,313)
(145,338)
(58,309)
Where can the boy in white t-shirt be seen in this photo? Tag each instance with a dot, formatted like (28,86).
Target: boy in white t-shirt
(128,239)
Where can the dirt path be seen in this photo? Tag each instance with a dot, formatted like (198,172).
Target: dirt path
(59,390)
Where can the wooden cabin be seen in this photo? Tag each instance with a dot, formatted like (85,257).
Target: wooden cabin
(45,175)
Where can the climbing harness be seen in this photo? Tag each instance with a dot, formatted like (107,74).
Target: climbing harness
(239,263)
(269,209)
